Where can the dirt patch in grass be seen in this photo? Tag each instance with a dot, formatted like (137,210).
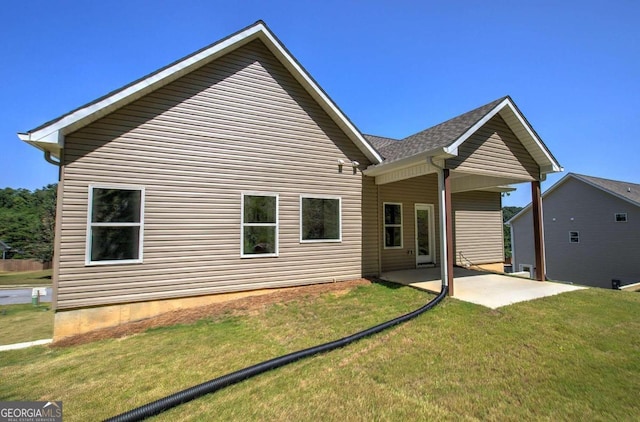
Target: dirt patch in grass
(243,306)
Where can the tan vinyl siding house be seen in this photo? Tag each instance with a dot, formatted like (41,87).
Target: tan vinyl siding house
(409,192)
(195,146)
(232,172)
(494,150)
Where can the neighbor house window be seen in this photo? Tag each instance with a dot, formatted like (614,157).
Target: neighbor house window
(574,237)
(259,225)
(320,219)
(115,225)
(621,217)
(392,225)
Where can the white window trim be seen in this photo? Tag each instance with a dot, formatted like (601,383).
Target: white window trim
(615,217)
(339,239)
(577,236)
(276,225)
(90,224)
(384,226)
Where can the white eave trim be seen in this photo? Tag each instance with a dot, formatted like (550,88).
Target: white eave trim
(327,104)
(81,117)
(92,112)
(439,153)
(551,166)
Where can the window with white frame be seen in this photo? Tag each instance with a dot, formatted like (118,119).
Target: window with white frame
(320,218)
(259,225)
(574,237)
(621,217)
(115,225)
(392,225)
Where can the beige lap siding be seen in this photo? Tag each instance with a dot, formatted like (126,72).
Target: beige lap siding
(418,190)
(494,150)
(239,124)
(477,219)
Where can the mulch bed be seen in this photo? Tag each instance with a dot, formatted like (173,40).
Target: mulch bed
(243,306)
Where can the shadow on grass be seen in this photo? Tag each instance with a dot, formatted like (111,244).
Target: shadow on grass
(387,284)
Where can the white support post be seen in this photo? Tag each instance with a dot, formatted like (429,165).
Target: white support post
(444,268)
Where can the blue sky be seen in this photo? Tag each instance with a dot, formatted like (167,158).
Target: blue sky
(394,67)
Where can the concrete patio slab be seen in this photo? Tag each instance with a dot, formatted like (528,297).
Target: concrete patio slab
(482,288)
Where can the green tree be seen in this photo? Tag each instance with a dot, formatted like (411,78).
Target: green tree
(27,221)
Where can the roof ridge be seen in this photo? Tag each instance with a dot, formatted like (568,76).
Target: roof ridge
(579,175)
(490,104)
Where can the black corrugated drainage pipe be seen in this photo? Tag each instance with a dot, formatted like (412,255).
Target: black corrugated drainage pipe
(192,393)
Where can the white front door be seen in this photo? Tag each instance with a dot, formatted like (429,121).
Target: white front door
(425,241)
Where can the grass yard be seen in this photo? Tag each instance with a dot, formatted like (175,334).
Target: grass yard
(574,356)
(20,323)
(26,278)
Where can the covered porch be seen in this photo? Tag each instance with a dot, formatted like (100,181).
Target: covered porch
(479,287)
(439,190)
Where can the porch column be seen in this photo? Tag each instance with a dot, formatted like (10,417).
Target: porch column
(538,230)
(446,228)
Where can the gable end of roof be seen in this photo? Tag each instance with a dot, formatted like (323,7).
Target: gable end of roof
(50,136)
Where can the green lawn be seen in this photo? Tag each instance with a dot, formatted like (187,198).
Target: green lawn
(19,323)
(26,278)
(574,356)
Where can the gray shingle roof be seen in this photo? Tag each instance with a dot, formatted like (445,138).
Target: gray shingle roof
(441,135)
(379,142)
(626,190)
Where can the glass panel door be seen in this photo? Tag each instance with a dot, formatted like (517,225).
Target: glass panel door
(425,241)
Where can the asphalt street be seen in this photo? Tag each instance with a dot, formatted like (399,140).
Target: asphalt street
(16,296)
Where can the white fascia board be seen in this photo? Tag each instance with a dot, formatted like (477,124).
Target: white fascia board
(86,115)
(552,166)
(320,96)
(94,111)
(473,129)
(412,160)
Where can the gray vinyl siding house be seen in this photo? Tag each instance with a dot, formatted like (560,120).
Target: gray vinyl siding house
(591,232)
(232,171)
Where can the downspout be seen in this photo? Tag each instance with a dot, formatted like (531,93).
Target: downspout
(379,229)
(444,258)
(47,156)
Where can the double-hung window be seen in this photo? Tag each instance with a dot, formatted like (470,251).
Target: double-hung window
(115,225)
(392,225)
(320,219)
(259,225)
(574,237)
(620,217)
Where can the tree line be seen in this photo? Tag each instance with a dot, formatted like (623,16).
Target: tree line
(27,222)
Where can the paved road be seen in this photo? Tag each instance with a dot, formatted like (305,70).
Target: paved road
(15,296)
